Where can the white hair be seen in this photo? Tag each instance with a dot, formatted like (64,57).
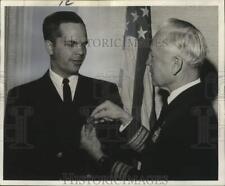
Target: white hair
(186,38)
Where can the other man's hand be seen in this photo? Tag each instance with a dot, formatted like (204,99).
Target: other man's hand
(110,111)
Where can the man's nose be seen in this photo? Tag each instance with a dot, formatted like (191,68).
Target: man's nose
(149,66)
(80,49)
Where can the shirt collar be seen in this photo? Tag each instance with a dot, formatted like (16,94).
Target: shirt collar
(181,89)
(58,79)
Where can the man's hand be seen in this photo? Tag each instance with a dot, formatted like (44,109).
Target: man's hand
(110,111)
(90,142)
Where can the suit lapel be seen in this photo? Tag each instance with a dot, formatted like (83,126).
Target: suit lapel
(48,89)
(83,91)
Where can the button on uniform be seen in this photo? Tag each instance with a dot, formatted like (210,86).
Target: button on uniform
(59,154)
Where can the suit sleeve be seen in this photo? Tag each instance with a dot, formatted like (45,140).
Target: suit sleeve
(136,135)
(123,169)
(118,170)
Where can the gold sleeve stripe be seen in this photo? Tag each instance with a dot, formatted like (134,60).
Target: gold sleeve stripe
(141,144)
(137,141)
(113,170)
(120,170)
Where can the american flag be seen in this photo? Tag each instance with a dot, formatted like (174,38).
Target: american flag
(135,80)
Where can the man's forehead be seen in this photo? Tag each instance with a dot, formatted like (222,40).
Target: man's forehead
(74,39)
(72,28)
(71,24)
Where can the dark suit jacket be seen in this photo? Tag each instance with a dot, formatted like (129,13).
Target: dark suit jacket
(42,134)
(187,146)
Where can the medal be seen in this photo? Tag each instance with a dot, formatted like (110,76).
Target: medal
(156,134)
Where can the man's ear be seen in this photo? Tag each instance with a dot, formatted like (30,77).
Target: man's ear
(177,65)
(49,47)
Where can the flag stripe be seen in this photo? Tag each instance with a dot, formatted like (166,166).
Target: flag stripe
(136,85)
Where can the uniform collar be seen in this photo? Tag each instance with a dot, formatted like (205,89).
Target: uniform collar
(181,89)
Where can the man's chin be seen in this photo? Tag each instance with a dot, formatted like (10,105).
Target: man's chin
(76,69)
(75,72)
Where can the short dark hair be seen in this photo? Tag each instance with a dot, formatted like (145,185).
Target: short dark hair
(52,22)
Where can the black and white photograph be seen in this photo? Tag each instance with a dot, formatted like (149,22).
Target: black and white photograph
(112,92)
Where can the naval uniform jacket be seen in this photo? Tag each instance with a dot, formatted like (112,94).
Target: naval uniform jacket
(183,145)
(42,133)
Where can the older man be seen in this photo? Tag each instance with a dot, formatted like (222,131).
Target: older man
(183,143)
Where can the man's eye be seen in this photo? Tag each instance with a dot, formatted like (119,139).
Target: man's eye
(74,44)
(69,44)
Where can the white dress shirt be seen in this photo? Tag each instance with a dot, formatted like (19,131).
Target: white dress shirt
(57,80)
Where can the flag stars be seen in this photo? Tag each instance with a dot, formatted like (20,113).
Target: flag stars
(141,33)
(135,16)
(145,11)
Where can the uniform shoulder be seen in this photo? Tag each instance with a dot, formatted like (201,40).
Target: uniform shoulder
(98,81)
(29,86)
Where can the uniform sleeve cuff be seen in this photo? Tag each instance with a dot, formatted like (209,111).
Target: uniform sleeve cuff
(125,125)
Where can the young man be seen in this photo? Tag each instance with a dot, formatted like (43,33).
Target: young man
(43,118)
